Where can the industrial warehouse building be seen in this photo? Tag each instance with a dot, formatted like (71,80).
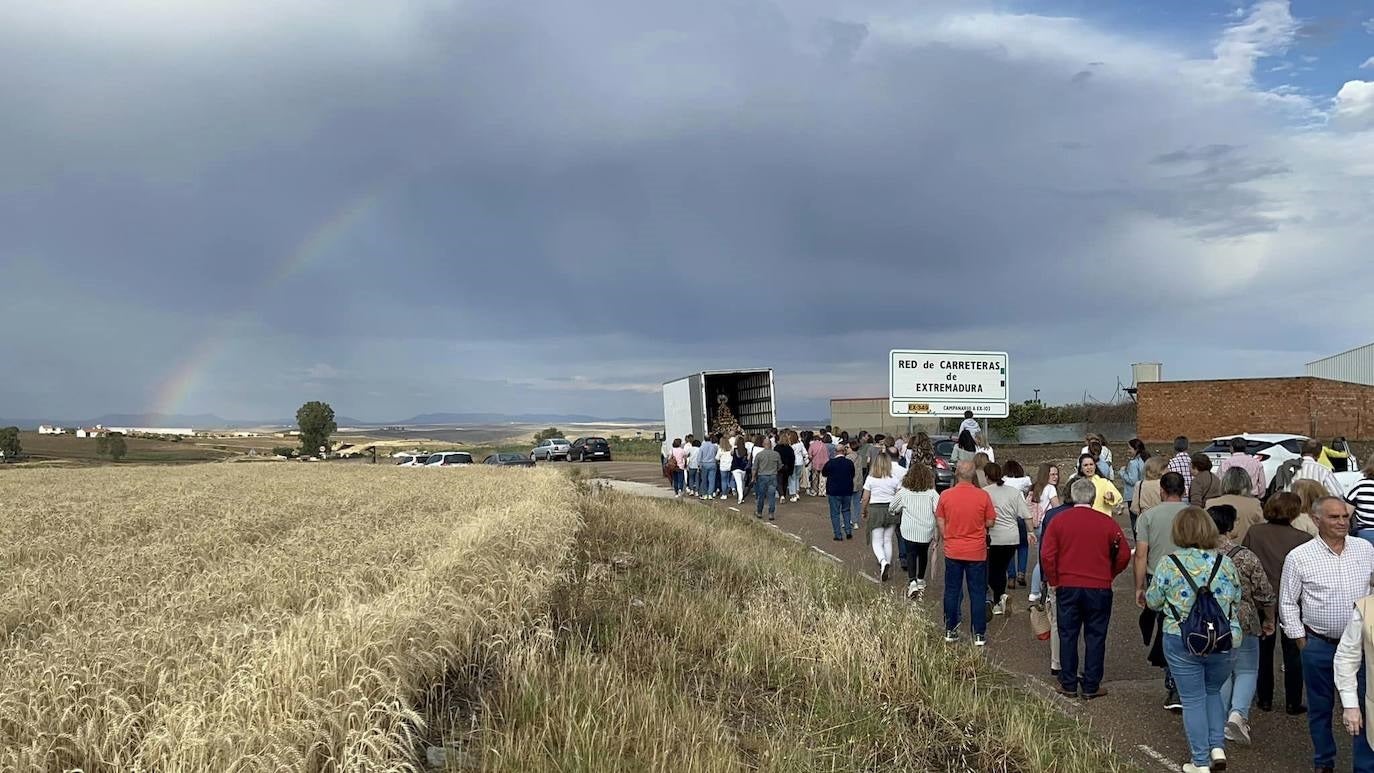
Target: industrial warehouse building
(874,415)
(1334,399)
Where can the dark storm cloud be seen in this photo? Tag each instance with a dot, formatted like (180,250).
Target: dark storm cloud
(547,177)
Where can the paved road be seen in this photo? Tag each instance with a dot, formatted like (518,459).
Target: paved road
(1131,715)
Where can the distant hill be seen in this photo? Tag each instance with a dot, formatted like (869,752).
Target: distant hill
(211,421)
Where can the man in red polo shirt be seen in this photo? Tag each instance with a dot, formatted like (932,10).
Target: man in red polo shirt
(964,514)
(1082,552)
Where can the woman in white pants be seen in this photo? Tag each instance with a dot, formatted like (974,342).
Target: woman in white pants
(879,490)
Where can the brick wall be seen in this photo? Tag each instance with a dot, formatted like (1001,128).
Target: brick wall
(1301,406)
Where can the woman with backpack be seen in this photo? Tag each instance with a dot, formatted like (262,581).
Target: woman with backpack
(1256,621)
(1199,591)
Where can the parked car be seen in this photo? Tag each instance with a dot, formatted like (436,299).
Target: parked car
(1273,450)
(553,448)
(585,448)
(944,471)
(449,459)
(509,460)
(412,460)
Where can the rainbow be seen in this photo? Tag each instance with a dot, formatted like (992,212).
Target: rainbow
(189,372)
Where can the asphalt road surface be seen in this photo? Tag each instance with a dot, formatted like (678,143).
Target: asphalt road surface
(1131,715)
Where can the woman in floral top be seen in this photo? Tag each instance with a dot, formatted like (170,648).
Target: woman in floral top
(1199,677)
(1256,621)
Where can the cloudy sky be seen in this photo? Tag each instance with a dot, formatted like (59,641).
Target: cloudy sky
(233,206)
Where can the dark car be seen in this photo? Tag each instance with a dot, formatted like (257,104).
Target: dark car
(509,460)
(944,470)
(585,448)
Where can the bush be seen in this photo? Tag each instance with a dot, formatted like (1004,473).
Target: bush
(286,451)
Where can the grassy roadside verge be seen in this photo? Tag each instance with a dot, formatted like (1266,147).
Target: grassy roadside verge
(683,639)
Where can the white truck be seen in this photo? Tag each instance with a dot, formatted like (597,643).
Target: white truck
(692,403)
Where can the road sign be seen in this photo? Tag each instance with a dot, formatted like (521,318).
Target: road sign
(936,383)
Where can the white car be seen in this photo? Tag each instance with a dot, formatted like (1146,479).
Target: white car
(551,449)
(411,460)
(1273,450)
(449,459)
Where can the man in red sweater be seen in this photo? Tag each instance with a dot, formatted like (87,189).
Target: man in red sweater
(1082,552)
(964,514)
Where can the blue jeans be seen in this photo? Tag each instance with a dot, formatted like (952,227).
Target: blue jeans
(679,481)
(708,481)
(692,474)
(1018,565)
(1199,681)
(1239,691)
(840,514)
(766,486)
(858,505)
(794,482)
(975,574)
(1319,676)
(727,482)
(1091,610)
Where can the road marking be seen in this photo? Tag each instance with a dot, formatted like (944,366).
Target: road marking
(1157,757)
(734,509)
(827,555)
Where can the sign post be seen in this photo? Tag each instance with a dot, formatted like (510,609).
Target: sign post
(939,384)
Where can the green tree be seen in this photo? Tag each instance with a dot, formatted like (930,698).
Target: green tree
(316,422)
(547,434)
(9,443)
(117,447)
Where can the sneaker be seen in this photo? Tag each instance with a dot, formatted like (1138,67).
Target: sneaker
(722,496)
(951,636)
(979,640)
(1172,702)
(912,589)
(1238,728)
(1000,608)
(920,585)
(794,498)
(1034,598)
(885,571)
(1218,759)
(849,535)
(1189,767)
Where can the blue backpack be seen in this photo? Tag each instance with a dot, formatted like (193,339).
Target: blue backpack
(1206,629)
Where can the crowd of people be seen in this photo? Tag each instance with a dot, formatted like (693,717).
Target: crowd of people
(1226,564)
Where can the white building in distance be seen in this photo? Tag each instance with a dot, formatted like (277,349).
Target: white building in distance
(183,431)
(48,429)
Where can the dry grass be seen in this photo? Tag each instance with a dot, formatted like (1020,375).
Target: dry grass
(341,618)
(227,618)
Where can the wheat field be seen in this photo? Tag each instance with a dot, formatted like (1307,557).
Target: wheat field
(257,618)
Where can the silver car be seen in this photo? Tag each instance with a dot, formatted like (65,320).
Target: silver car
(550,449)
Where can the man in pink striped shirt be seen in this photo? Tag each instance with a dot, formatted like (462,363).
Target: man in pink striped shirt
(820,454)
(1248,462)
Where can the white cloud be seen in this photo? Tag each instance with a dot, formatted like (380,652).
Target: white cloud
(1354,104)
(1368,64)
(1268,30)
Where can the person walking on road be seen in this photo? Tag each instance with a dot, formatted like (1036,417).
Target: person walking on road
(860,476)
(839,490)
(706,462)
(1271,542)
(1173,591)
(1348,670)
(1322,580)
(1133,473)
(693,466)
(1360,497)
(880,488)
(1256,613)
(915,505)
(818,454)
(1315,470)
(1182,463)
(1107,496)
(1044,496)
(1249,462)
(1236,489)
(964,448)
(800,479)
(1205,485)
(1082,552)
(678,467)
(723,457)
(1014,476)
(788,473)
(1147,493)
(963,516)
(1003,537)
(739,469)
(767,463)
(1154,541)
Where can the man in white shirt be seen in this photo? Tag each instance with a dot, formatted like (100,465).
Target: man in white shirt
(1350,679)
(1315,470)
(1182,463)
(1322,580)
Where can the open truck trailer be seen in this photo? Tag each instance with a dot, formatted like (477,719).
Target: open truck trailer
(692,403)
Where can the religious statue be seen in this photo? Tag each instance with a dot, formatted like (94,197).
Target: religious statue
(724,423)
